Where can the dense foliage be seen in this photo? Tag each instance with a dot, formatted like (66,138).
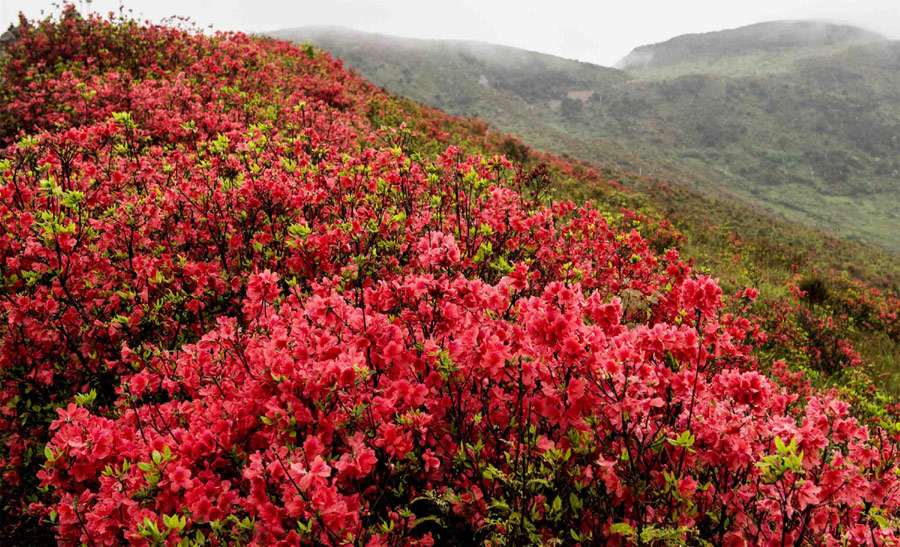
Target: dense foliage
(249,299)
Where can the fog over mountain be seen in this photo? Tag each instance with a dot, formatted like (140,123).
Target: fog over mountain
(596,32)
(771,37)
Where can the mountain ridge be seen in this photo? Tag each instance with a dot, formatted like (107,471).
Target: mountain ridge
(765,37)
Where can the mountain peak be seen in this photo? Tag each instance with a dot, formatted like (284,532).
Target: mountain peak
(767,37)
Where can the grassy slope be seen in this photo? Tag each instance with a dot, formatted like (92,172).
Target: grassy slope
(812,137)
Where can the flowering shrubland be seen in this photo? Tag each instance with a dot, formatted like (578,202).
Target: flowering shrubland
(240,308)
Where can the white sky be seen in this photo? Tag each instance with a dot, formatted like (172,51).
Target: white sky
(598,31)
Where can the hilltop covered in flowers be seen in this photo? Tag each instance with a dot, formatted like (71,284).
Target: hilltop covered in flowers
(248,298)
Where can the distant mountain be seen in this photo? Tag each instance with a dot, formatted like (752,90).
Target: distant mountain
(802,119)
(772,37)
(455,75)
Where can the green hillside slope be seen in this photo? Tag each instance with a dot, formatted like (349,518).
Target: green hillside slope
(806,129)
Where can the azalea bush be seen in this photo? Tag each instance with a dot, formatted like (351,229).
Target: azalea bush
(248,298)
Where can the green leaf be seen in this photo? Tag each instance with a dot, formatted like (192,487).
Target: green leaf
(299,230)
(86,399)
(779,444)
(72,199)
(622,528)
(557,505)
(432,518)
(575,502)
(882,522)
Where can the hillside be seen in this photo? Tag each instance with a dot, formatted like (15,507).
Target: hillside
(249,298)
(460,77)
(808,134)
